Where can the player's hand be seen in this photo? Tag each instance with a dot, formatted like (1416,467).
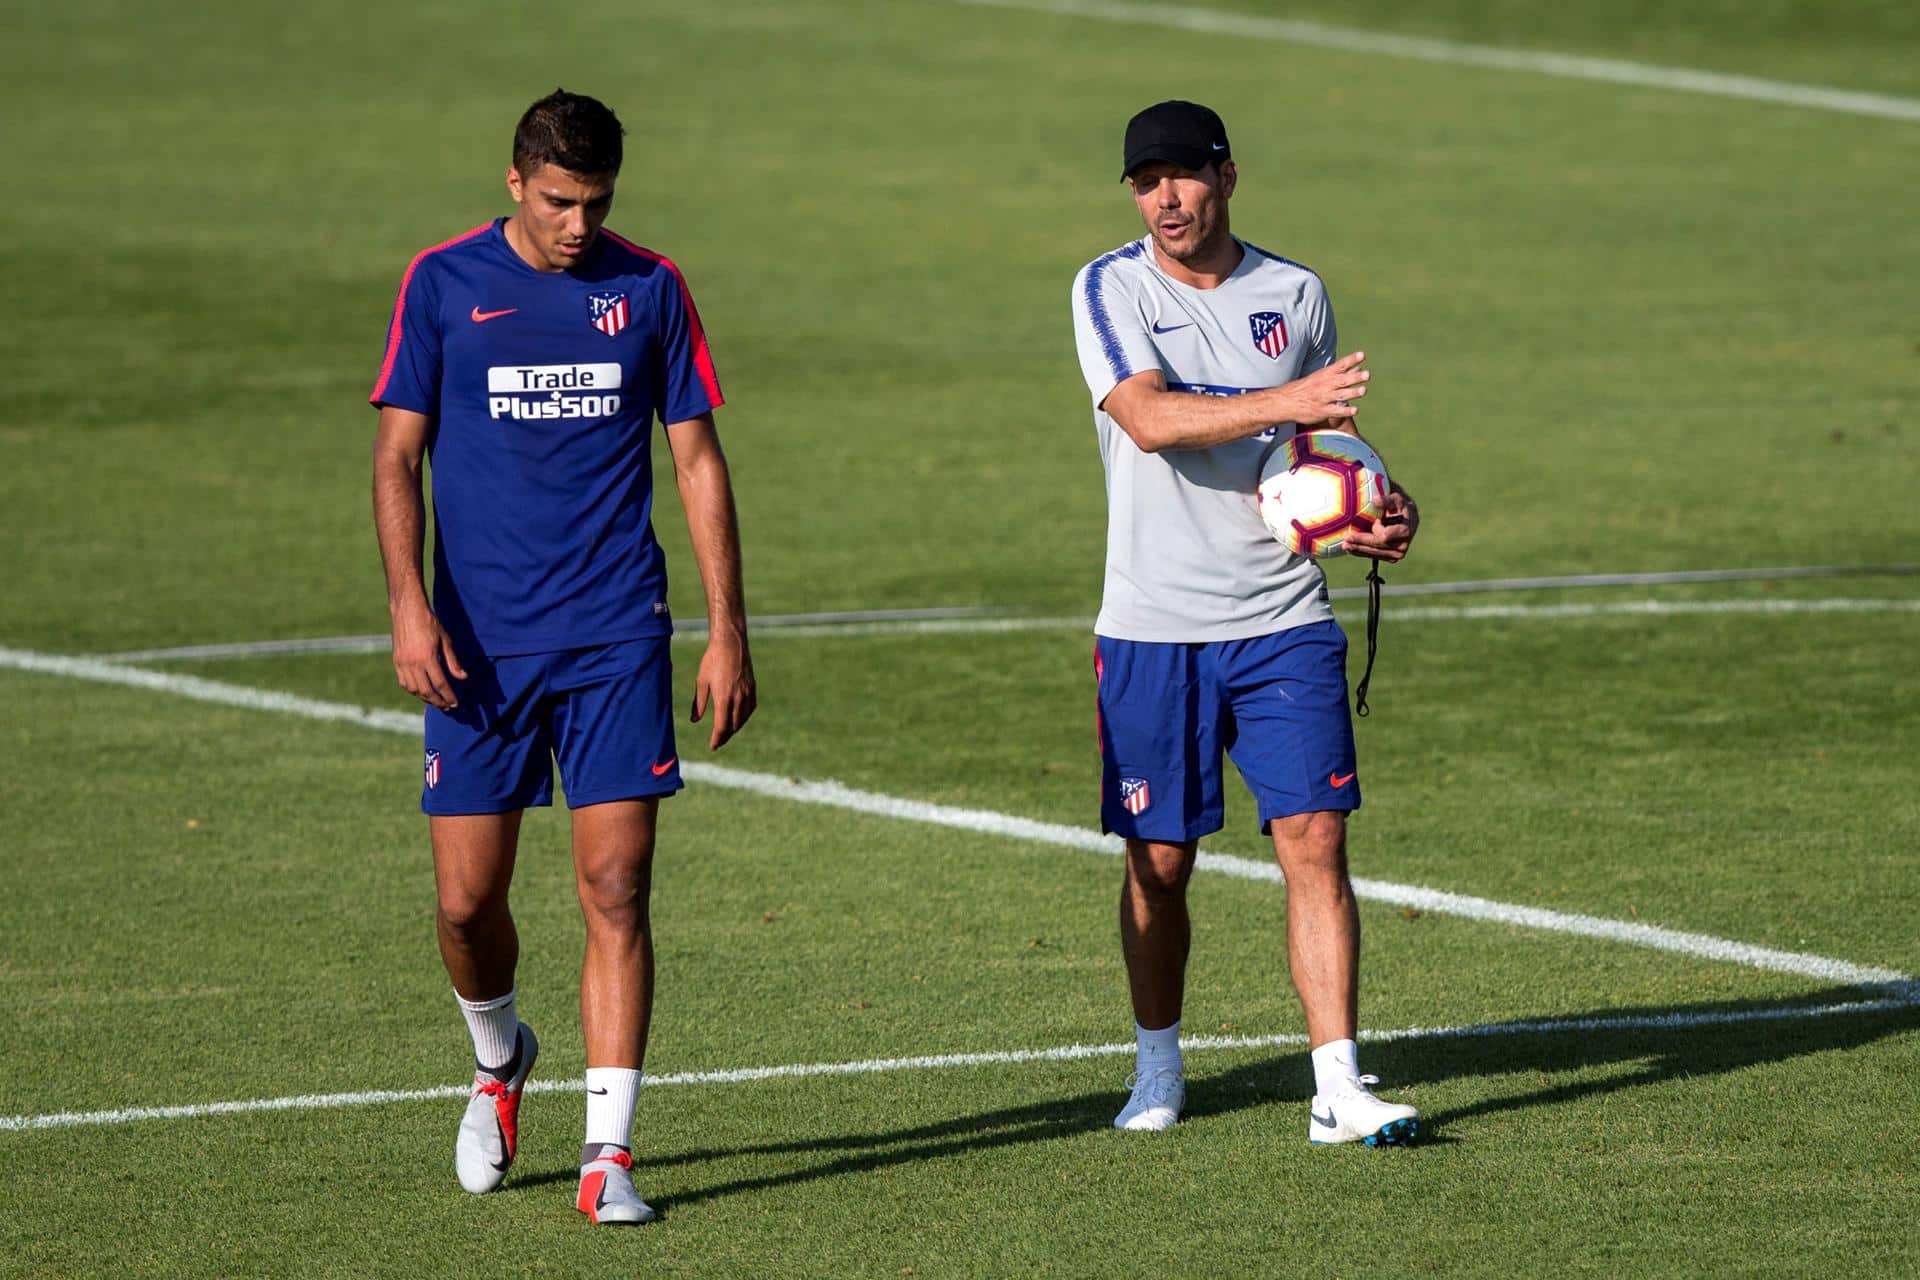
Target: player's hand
(725,682)
(1391,534)
(1322,397)
(423,657)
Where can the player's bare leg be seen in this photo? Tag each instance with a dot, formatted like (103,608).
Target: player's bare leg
(1323,953)
(473,858)
(1155,935)
(1155,932)
(1323,924)
(613,870)
(472,869)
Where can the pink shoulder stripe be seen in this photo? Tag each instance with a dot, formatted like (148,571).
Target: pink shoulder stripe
(400,307)
(702,357)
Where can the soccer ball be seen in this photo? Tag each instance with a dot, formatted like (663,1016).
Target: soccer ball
(1317,486)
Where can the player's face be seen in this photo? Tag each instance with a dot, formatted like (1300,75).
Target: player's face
(1185,212)
(560,213)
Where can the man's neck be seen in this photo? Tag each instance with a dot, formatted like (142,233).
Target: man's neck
(1206,271)
(521,244)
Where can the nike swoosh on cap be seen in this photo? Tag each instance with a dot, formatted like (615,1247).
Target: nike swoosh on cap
(481,317)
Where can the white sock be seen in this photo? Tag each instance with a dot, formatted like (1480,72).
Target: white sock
(1336,1066)
(611,1093)
(1155,1049)
(495,1026)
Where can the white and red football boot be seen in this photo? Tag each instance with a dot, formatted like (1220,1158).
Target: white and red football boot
(607,1194)
(490,1130)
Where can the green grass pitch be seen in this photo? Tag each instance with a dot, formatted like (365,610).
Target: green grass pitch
(1613,329)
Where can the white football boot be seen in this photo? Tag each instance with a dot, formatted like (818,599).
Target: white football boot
(1157,1097)
(490,1130)
(607,1194)
(1353,1114)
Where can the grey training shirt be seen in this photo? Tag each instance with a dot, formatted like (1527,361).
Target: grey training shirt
(1188,558)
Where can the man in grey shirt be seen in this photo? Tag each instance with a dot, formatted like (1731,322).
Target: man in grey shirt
(1199,350)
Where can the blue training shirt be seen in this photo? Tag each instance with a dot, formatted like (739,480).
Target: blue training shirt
(543,388)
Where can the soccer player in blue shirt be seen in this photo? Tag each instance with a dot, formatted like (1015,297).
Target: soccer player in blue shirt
(527,359)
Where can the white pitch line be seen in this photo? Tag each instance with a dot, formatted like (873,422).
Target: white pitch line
(987,822)
(1647,608)
(1392,615)
(1458,53)
(979,623)
(1658,578)
(1675,1021)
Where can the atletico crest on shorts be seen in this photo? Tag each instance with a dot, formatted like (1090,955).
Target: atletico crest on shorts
(1133,795)
(433,769)
(1269,333)
(607,312)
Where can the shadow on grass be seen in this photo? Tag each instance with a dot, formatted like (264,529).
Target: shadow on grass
(1701,1040)
(1707,1040)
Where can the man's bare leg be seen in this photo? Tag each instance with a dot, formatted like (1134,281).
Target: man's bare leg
(472,869)
(1323,951)
(1155,935)
(473,859)
(1323,924)
(613,870)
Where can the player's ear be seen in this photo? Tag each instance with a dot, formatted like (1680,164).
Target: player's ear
(515,187)
(1229,176)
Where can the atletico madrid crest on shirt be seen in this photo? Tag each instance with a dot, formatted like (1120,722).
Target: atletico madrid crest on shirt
(1269,333)
(607,312)
(433,769)
(1133,795)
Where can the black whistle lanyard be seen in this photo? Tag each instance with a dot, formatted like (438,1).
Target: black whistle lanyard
(1374,583)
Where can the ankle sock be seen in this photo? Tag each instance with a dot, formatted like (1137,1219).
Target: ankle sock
(611,1094)
(1156,1049)
(1336,1066)
(495,1027)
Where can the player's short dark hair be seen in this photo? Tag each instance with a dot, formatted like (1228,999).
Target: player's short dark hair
(575,132)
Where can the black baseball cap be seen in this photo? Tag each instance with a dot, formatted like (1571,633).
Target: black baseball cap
(1182,133)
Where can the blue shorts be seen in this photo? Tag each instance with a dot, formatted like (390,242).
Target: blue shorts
(605,712)
(1276,704)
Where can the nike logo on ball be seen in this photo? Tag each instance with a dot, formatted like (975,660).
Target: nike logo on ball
(1170,328)
(481,317)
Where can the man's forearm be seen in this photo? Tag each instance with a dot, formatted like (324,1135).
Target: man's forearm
(706,490)
(400,523)
(1158,418)
(1192,420)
